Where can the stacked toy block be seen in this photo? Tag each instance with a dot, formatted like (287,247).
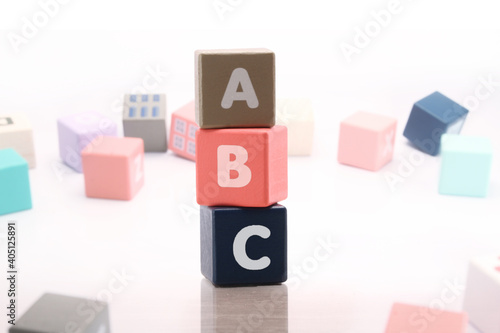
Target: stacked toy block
(16,132)
(241,168)
(58,313)
(183,129)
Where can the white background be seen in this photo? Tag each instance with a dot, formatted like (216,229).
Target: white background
(401,244)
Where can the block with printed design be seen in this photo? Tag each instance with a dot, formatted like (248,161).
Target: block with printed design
(234,88)
(113,168)
(242,246)
(145,117)
(241,166)
(183,132)
(16,132)
(366,140)
(77,131)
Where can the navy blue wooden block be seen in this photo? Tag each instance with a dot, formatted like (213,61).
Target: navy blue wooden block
(243,246)
(430,118)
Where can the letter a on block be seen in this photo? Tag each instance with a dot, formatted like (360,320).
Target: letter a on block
(240,76)
(239,247)
(232,158)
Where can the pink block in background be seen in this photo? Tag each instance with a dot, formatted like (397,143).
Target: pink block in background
(406,318)
(182,132)
(366,140)
(113,167)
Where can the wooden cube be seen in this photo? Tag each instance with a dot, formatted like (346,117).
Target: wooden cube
(145,117)
(465,165)
(77,131)
(366,140)
(244,309)
(183,132)
(241,167)
(59,313)
(16,132)
(482,293)
(15,192)
(113,167)
(430,118)
(234,88)
(416,319)
(298,117)
(244,246)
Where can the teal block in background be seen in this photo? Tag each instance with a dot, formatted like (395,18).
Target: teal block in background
(465,165)
(15,193)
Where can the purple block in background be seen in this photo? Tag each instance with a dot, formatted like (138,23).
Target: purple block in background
(77,131)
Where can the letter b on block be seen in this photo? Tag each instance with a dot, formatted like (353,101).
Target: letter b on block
(241,167)
(244,246)
(235,88)
(225,165)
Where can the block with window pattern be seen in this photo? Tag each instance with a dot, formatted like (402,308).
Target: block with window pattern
(183,132)
(145,117)
(16,132)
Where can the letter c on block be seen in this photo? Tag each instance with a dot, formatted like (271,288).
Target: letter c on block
(239,247)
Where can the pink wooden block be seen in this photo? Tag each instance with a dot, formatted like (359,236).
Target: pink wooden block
(366,140)
(113,167)
(182,132)
(406,318)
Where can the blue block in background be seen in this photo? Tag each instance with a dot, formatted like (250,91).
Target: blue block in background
(15,193)
(431,117)
(465,165)
(244,246)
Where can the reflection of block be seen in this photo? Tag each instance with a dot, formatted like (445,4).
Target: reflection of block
(430,118)
(183,132)
(241,167)
(416,319)
(243,246)
(366,140)
(465,165)
(244,309)
(57,313)
(297,115)
(15,193)
(113,168)
(16,132)
(482,294)
(234,88)
(77,131)
(145,117)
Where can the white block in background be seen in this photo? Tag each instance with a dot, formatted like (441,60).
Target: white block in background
(16,132)
(482,295)
(298,116)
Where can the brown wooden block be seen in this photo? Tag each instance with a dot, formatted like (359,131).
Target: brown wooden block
(234,88)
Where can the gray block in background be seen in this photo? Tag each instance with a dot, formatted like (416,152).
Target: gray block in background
(54,313)
(145,117)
